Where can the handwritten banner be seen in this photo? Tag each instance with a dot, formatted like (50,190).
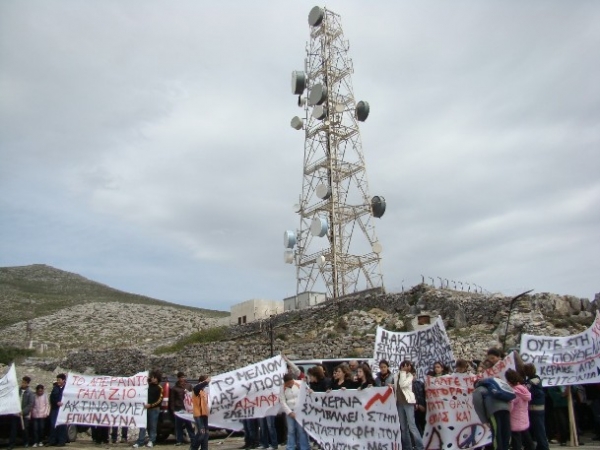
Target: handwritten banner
(499,369)
(104,400)
(567,360)
(452,422)
(10,402)
(422,347)
(350,419)
(249,392)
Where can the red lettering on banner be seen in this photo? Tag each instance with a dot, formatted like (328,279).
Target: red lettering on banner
(438,417)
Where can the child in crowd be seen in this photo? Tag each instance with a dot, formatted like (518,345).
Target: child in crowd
(39,414)
(519,417)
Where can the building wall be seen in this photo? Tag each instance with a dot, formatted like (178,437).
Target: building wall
(303,300)
(253,310)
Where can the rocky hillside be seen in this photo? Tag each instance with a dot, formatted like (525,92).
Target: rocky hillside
(54,312)
(36,291)
(344,329)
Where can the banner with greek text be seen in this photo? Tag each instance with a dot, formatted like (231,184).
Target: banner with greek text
(350,419)
(422,347)
(249,392)
(499,369)
(10,402)
(104,400)
(567,360)
(452,422)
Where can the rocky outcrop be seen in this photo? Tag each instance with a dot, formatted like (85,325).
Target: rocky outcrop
(106,325)
(347,328)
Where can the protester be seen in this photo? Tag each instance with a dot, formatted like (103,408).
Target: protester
(342,378)
(58,434)
(559,395)
(384,376)
(289,397)
(155,396)
(494,355)
(592,391)
(462,366)
(438,370)
(21,421)
(251,433)
(317,380)
(353,366)
(405,402)
(114,434)
(364,377)
(177,404)
(201,412)
(39,414)
(418,388)
(519,417)
(537,421)
(494,411)
(100,434)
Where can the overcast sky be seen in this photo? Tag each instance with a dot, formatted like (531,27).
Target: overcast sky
(146,144)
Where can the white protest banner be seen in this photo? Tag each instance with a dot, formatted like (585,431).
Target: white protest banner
(567,360)
(10,402)
(422,347)
(188,413)
(452,422)
(249,392)
(499,369)
(104,400)
(350,419)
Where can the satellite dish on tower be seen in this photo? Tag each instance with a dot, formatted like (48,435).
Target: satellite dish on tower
(296,123)
(319,226)
(377,248)
(298,82)
(319,112)
(289,239)
(288,256)
(378,206)
(323,191)
(362,111)
(315,16)
(317,95)
(321,260)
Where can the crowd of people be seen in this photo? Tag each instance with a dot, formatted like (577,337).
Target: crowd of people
(536,416)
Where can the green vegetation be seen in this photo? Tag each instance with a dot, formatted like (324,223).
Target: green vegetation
(200,337)
(281,336)
(38,290)
(12,354)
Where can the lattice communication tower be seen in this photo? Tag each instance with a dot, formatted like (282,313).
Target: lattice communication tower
(336,245)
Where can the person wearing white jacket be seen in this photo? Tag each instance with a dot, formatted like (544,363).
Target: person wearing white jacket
(289,397)
(405,402)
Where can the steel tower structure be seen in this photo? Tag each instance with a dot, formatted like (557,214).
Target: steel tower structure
(336,244)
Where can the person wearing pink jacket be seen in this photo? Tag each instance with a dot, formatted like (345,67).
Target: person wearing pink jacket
(519,412)
(39,413)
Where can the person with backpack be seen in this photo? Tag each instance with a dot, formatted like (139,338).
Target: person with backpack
(519,417)
(537,413)
(491,399)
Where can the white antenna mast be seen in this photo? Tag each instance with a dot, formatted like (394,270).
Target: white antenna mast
(336,245)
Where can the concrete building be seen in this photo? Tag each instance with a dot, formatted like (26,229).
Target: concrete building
(255,309)
(303,300)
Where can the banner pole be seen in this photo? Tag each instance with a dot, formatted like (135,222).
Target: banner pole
(572,424)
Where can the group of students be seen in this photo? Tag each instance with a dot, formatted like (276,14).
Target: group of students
(517,424)
(36,409)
